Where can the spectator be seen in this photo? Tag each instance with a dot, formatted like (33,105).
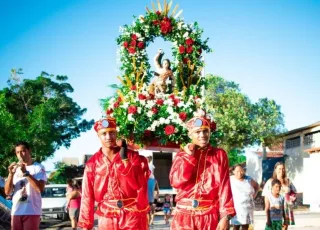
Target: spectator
(167,207)
(275,207)
(151,189)
(27,180)
(244,190)
(288,191)
(73,202)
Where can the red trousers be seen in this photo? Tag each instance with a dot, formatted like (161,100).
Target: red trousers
(183,221)
(128,221)
(26,222)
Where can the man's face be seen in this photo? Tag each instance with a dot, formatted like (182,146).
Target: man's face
(108,138)
(200,137)
(23,154)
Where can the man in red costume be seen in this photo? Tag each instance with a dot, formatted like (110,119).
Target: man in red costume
(200,174)
(115,179)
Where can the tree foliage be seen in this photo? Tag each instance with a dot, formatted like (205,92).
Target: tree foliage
(242,122)
(40,112)
(64,172)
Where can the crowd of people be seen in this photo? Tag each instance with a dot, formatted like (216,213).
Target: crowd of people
(120,187)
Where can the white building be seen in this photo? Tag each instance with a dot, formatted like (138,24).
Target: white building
(302,159)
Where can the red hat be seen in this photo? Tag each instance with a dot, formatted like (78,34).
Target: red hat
(106,124)
(200,121)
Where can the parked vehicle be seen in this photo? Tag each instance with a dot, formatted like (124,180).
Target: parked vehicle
(54,201)
(5,214)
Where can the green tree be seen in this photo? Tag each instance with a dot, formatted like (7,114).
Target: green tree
(40,112)
(242,122)
(64,172)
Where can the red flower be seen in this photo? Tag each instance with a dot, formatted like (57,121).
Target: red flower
(147,133)
(189,41)
(158,12)
(140,45)
(134,37)
(156,22)
(169,129)
(181,49)
(183,116)
(125,44)
(133,43)
(159,101)
(172,96)
(154,110)
(142,97)
(200,51)
(213,126)
(185,60)
(176,102)
(119,99)
(151,96)
(116,104)
(133,87)
(132,109)
(109,111)
(189,49)
(165,26)
(132,50)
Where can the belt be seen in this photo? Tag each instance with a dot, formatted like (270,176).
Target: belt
(118,204)
(194,204)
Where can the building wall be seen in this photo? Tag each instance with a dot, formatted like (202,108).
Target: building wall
(294,154)
(254,166)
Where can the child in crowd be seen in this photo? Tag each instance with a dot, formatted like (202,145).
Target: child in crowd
(274,207)
(167,207)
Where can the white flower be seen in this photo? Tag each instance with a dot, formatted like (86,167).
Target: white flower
(118,129)
(180,104)
(149,114)
(150,104)
(130,117)
(162,120)
(168,102)
(142,102)
(139,110)
(167,121)
(125,105)
(170,110)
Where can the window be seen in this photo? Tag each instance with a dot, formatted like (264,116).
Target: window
(310,138)
(52,192)
(293,142)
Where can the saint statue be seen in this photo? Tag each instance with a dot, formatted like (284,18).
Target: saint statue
(163,81)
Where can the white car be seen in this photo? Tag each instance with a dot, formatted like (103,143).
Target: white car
(54,201)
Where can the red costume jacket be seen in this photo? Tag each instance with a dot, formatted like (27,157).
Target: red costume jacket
(203,177)
(105,183)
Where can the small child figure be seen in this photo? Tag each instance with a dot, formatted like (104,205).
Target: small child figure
(167,207)
(274,207)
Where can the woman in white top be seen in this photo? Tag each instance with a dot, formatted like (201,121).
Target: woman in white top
(244,190)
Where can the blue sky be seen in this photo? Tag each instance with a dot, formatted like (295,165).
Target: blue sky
(271,48)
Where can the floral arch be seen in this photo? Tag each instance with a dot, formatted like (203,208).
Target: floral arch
(142,117)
